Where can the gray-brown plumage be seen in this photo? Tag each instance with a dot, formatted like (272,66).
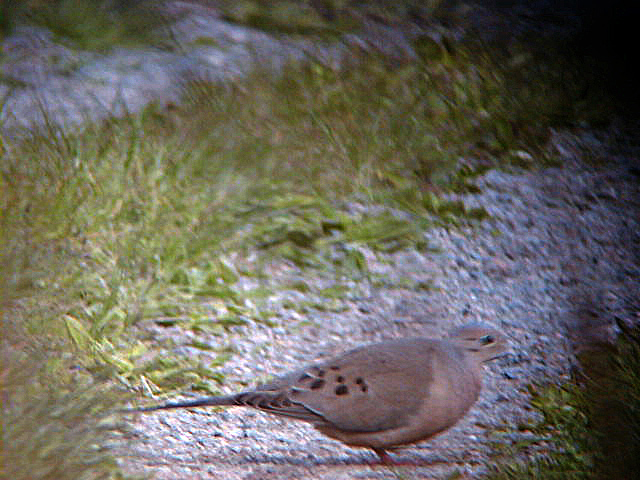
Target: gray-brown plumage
(381,395)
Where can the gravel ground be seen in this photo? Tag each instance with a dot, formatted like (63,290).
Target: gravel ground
(554,267)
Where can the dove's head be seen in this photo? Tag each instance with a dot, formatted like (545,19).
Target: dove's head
(483,342)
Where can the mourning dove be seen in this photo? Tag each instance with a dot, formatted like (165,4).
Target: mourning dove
(381,395)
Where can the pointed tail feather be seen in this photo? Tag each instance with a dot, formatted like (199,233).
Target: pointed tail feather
(199,402)
(271,402)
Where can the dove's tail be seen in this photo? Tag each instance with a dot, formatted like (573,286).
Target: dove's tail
(276,402)
(199,402)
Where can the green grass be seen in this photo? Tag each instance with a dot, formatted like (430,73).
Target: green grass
(324,18)
(103,24)
(591,426)
(52,428)
(98,25)
(158,217)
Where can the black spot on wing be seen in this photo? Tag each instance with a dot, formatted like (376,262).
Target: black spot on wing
(342,390)
(362,384)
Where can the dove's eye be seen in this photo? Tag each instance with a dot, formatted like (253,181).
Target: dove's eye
(487,339)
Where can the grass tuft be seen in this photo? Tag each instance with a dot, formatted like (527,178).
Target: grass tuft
(52,428)
(593,428)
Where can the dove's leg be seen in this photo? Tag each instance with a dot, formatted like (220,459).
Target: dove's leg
(385,458)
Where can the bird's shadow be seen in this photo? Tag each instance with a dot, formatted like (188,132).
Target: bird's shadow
(341,460)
